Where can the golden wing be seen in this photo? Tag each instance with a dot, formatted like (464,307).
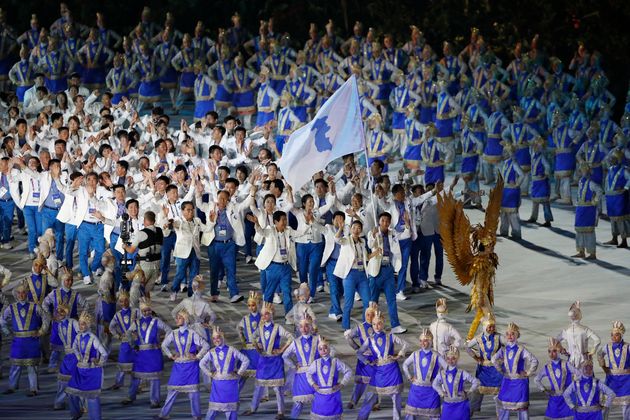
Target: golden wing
(494,207)
(455,234)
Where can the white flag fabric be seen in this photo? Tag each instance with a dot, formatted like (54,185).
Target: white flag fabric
(336,130)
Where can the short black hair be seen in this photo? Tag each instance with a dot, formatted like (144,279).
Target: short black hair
(385,214)
(278,214)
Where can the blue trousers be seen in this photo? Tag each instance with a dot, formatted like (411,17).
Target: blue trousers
(426,242)
(187,269)
(355,281)
(33,219)
(386,283)
(222,254)
(71,238)
(309,258)
(49,220)
(195,403)
(414,263)
(154,393)
(167,251)
(90,237)
(118,271)
(279,275)
(6,219)
(335,287)
(405,251)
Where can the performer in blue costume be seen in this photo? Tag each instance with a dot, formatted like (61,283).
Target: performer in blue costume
(559,374)
(615,361)
(449,384)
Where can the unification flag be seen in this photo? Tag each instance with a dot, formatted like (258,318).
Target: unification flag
(336,130)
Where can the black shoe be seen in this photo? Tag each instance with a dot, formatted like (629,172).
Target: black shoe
(415,290)
(8,391)
(31,393)
(546,224)
(59,408)
(155,405)
(126,401)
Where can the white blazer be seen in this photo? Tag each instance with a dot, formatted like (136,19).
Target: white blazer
(187,237)
(261,215)
(45,182)
(392,209)
(270,247)
(25,176)
(346,257)
(329,242)
(394,247)
(317,227)
(235,219)
(75,207)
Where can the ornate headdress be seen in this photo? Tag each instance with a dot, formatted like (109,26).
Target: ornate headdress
(145,303)
(512,327)
(184,314)
(618,327)
(440,306)
(426,334)
(379,315)
(267,307)
(574,311)
(217,332)
(452,351)
(306,319)
(122,294)
(554,344)
(86,317)
(198,282)
(62,307)
(371,309)
(303,291)
(489,320)
(254,297)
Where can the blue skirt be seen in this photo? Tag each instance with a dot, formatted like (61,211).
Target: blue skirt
(125,353)
(456,410)
(557,408)
(203,107)
(86,381)
(148,362)
(117,97)
(263,118)
(244,101)
(489,377)
(55,340)
(187,82)
(253,356)
(270,371)
(169,79)
(95,76)
(444,127)
(387,379)
(20,90)
(301,387)
(597,175)
(423,397)
(540,190)
(616,205)
(620,384)
(222,97)
(398,121)
(56,86)
(589,416)
(25,350)
(469,164)
(184,376)
(564,163)
(426,114)
(523,158)
(150,91)
(585,216)
(511,198)
(433,174)
(224,391)
(68,366)
(327,405)
(493,152)
(514,391)
(363,373)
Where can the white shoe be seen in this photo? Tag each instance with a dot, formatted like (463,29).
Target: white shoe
(310,300)
(277,299)
(424,284)
(399,330)
(221,284)
(248,259)
(357,296)
(173,297)
(335,317)
(8,246)
(320,288)
(236,298)
(98,272)
(400,296)
(87,280)
(22,231)
(164,288)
